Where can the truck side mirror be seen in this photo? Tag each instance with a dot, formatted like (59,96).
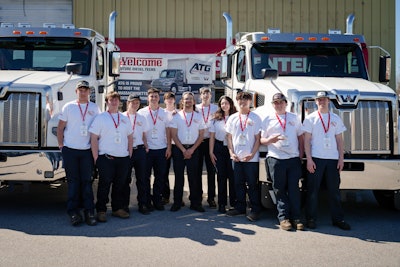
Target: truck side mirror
(100,89)
(269,74)
(115,58)
(384,68)
(226,63)
(74,68)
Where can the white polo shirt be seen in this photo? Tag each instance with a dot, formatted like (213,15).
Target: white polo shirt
(188,125)
(139,126)
(218,127)
(113,133)
(207,113)
(157,121)
(323,145)
(287,125)
(76,132)
(246,127)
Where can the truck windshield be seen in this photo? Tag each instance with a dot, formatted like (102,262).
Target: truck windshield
(306,59)
(168,74)
(44,53)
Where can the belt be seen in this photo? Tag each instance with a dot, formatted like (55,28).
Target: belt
(219,142)
(187,146)
(112,157)
(138,147)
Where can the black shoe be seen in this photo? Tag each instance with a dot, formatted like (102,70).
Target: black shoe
(126,209)
(150,207)
(198,208)
(342,225)
(144,210)
(311,224)
(164,201)
(235,212)
(76,219)
(253,216)
(212,204)
(90,219)
(176,207)
(159,206)
(222,209)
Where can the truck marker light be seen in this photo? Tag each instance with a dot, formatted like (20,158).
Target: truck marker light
(299,39)
(325,39)
(16,32)
(30,32)
(357,40)
(312,38)
(265,38)
(43,32)
(77,33)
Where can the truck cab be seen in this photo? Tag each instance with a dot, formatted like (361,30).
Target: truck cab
(301,64)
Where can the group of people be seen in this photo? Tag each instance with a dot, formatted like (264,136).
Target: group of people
(146,141)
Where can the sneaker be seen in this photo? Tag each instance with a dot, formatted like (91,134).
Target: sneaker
(298,225)
(90,219)
(143,210)
(222,209)
(120,213)
(253,216)
(234,212)
(158,206)
(101,216)
(311,224)
(76,219)
(342,225)
(198,208)
(212,204)
(165,201)
(175,207)
(285,225)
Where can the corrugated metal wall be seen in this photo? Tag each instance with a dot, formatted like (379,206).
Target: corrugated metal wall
(203,18)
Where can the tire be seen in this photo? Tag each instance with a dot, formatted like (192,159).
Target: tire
(385,198)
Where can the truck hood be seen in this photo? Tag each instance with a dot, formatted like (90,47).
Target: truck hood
(37,77)
(307,84)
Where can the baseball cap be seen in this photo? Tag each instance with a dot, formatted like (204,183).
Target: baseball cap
(321,94)
(278,97)
(82,84)
(132,97)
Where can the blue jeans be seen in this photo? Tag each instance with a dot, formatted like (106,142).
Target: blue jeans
(326,169)
(224,174)
(156,161)
(138,163)
(285,175)
(246,176)
(179,164)
(78,166)
(111,171)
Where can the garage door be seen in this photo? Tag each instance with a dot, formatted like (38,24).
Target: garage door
(36,12)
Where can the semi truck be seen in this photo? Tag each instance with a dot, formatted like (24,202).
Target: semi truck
(301,64)
(40,67)
(185,74)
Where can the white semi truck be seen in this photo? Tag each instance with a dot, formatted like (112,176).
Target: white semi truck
(39,69)
(300,64)
(184,73)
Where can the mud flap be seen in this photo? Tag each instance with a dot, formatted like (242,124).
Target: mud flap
(268,199)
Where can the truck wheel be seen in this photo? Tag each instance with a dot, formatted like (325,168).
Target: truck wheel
(174,88)
(385,198)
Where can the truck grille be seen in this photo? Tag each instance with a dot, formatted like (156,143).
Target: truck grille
(19,126)
(368,126)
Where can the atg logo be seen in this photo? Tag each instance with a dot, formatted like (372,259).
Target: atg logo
(200,68)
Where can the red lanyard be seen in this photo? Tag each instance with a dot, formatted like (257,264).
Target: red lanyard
(83,114)
(152,117)
(283,125)
(134,121)
(115,124)
(208,114)
(326,129)
(243,126)
(188,123)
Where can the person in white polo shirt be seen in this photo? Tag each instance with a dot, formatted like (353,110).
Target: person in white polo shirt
(74,141)
(112,146)
(323,146)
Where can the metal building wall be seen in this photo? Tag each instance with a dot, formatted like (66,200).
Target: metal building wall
(375,19)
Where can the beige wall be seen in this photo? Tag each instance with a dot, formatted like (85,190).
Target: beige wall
(203,18)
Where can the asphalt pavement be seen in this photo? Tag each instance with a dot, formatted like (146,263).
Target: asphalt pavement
(35,231)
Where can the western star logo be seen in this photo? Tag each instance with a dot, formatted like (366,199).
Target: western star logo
(347,97)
